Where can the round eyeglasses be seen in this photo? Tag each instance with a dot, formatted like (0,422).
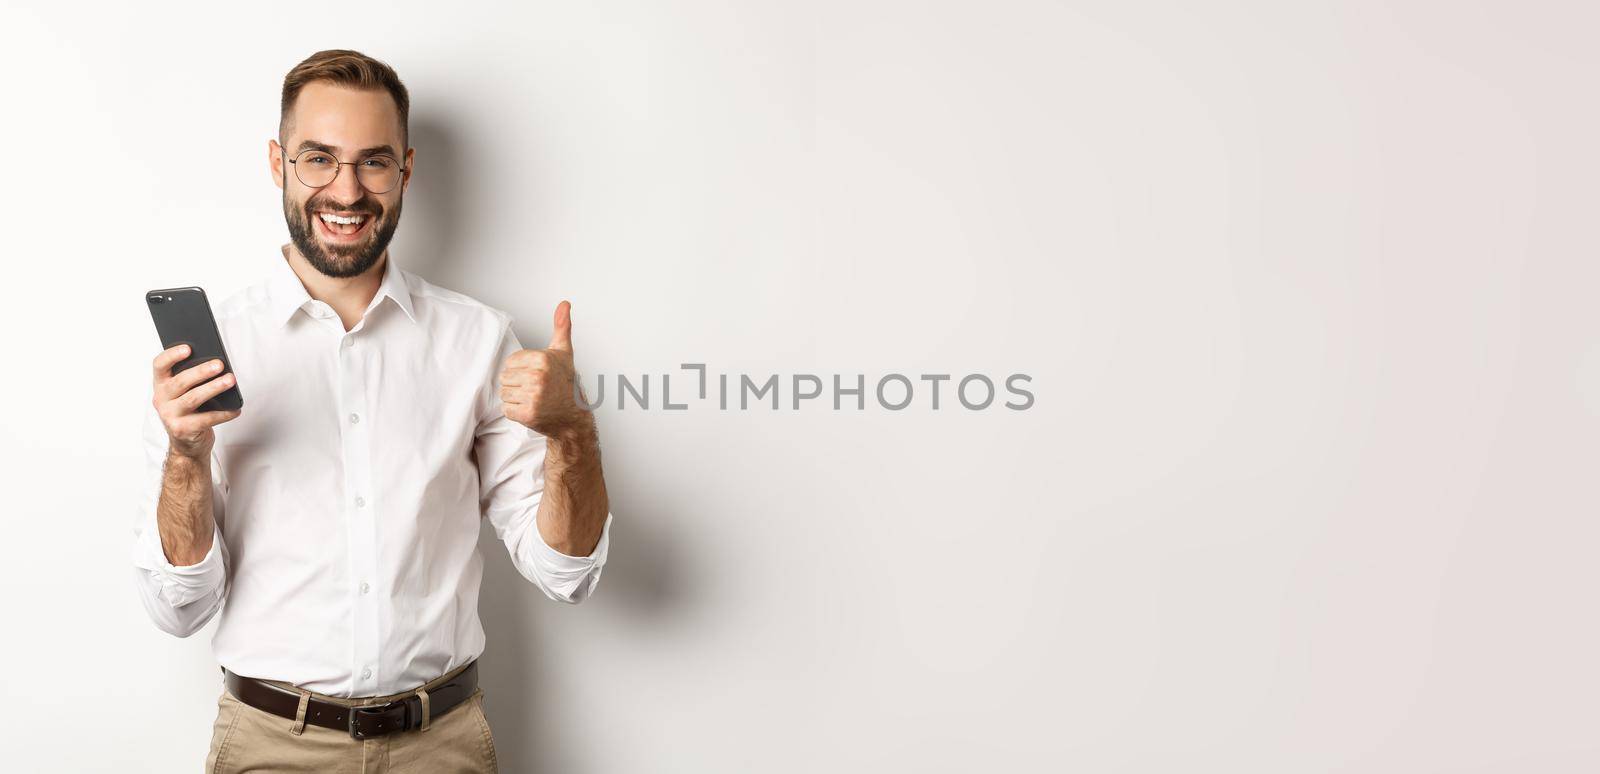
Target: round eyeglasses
(378,174)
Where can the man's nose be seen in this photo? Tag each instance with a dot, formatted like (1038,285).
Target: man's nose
(345,187)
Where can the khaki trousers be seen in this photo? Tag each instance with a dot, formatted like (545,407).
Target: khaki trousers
(245,739)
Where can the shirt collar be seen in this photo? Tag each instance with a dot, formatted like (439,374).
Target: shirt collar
(288,295)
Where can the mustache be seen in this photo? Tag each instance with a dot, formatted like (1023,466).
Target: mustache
(361,206)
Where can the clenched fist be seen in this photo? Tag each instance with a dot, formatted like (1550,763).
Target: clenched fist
(536,385)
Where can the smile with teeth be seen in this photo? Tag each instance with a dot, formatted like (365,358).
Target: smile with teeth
(342,225)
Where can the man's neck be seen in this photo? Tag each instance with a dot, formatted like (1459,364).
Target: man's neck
(349,296)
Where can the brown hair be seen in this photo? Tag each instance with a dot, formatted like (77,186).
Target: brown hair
(345,68)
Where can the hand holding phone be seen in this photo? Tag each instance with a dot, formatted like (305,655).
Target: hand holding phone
(193,384)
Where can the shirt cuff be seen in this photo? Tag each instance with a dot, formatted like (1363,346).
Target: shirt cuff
(565,574)
(181,585)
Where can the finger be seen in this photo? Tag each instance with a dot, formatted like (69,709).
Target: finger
(511,395)
(192,399)
(212,418)
(186,379)
(524,374)
(197,423)
(161,367)
(562,338)
(529,358)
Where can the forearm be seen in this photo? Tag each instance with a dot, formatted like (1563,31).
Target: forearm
(573,510)
(184,516)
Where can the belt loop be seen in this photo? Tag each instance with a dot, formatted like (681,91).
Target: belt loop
(300,713)
(423,695)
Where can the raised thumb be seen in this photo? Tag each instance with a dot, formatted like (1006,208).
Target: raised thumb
(562,338)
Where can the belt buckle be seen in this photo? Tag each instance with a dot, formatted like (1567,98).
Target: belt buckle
(378,711)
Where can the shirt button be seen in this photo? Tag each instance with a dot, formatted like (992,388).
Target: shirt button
(364,587)
(360,502)
(366,673)
(349,342)
(355,419)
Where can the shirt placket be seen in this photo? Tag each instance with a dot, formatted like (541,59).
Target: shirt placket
(358,505)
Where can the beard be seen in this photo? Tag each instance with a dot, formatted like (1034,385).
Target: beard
(341,260)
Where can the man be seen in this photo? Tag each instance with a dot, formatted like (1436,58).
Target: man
(337,514)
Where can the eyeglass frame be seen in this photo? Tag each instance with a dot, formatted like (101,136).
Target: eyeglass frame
(337,163)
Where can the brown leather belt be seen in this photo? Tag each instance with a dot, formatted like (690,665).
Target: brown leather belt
(363,722)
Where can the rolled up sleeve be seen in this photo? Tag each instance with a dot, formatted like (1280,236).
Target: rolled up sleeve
(511,476)
(180,600)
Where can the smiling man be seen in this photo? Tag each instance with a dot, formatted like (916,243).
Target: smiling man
(334,520)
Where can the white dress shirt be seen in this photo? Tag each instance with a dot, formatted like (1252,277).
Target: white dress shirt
(348,492)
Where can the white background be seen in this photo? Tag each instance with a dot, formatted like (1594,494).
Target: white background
(1306,289)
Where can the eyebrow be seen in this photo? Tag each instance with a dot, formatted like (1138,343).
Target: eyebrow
(305,145)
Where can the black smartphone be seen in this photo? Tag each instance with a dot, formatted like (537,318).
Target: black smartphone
(183,316)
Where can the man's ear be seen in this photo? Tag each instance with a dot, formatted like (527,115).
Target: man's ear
(275,160)
(405,176)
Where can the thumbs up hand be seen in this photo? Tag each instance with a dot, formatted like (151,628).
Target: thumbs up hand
(536,385)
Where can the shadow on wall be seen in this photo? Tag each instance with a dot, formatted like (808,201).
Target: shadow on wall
(524,709)
(642,581)
(428,242)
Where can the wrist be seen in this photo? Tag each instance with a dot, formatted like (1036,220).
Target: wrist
(574,439)
(192,458)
